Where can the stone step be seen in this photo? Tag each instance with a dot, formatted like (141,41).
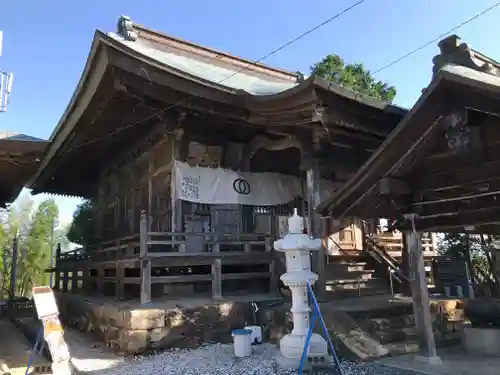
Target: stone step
(396,335)
(388,323)
(412,346)
(400,348)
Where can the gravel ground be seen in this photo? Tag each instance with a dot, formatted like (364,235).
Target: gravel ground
(218,359)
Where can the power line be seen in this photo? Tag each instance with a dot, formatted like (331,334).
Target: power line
(273,52)
(412,52)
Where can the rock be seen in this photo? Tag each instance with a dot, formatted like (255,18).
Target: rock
(133,342)
(143,319)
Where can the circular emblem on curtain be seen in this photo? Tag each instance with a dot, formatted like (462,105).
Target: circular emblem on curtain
(241,186)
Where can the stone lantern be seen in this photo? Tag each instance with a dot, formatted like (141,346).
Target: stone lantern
(297,247)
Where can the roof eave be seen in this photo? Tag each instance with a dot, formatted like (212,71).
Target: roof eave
(366,170)
(363,99)
(450,73)
(90,78)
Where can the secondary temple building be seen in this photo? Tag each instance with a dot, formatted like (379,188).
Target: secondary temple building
(193,160)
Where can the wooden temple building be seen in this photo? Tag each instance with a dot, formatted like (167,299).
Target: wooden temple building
(439,169)
(193,159)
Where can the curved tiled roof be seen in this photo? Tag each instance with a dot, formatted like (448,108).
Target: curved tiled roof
(238,79)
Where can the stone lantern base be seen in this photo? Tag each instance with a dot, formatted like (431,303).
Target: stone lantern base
(291,347)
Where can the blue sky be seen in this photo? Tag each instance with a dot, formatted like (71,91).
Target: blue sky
(46,42)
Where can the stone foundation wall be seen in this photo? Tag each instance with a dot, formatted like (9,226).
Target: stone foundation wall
(136,330)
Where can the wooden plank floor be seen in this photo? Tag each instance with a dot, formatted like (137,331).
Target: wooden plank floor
(15,350)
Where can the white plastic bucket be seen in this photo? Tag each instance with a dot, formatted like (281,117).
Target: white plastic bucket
(242,342)
(256,336)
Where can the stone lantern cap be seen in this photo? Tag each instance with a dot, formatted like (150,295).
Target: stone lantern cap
(295,239)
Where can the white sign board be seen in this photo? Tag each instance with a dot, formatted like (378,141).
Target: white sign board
(53,333)
(221,186)
(45,302)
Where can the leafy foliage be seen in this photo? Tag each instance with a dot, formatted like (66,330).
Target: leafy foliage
(81,229)
(354,77)
(33,226)
(473,249)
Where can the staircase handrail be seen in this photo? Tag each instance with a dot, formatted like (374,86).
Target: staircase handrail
(380,255)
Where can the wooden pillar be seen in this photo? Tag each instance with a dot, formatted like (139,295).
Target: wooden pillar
(87,279)
(314,222)
(145,261)
(101,269)
(150,192)
(420,296)
(57,278)
(217,279)
(216,275)
(74,279)
(405,266)
(180,152)
(274,280)
(120,281)
(65,280)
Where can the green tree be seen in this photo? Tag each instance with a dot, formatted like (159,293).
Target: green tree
(38,246)
(81,229)
(33,227)
(474,249)
(354,77)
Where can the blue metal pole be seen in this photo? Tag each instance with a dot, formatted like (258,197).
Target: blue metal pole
(325,331)
(37,343)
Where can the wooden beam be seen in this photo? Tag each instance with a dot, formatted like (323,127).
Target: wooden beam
(460,204)
(457,176)
(420,295)
(393,187)
(137,86)
(443,222)
(448,160)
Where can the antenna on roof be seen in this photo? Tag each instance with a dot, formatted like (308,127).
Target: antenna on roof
(6,80)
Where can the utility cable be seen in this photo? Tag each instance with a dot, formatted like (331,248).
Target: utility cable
(287,44)
(412,52)
(273,52)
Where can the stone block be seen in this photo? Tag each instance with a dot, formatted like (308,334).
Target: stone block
(112,314)
(482,341)
(133,342)
(143,319)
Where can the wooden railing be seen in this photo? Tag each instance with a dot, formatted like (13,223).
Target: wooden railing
(166,250)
